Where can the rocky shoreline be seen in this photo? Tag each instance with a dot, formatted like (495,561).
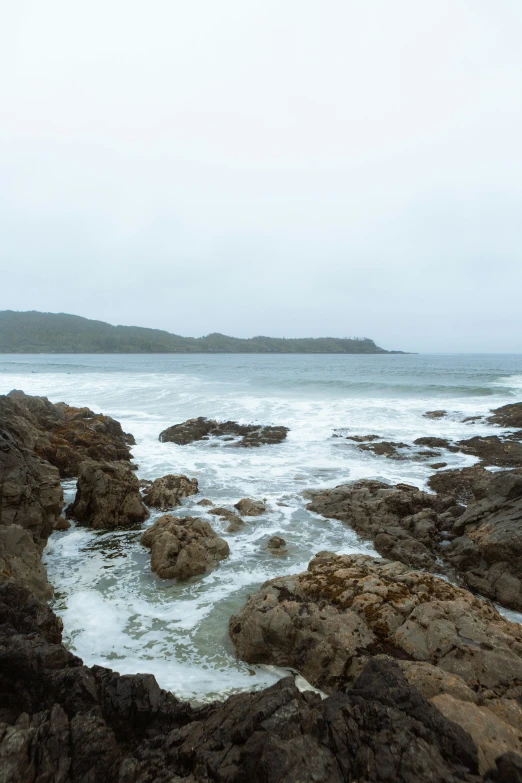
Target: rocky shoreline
(421,678)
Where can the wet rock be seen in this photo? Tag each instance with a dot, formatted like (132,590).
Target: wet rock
(403,522)
(251,435)
(250,508)
(385,448)
(494,450)
(362,438)
(507,416)
(439,414)
(222,512)
(488,553)
(66,436)
(168,491)
(438,465)
(63,722)
(107,496)
(345,611)
(276,544)
(183,547)
(436,443)
(204,502)
(465,484)
(236,523)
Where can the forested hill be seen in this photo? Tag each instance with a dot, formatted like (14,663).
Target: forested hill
(34,332)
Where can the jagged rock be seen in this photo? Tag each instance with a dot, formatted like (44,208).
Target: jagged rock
(494,450)
(250,508)
(63,722)
(439,414)
(201,429)
(107,496)
(508,415)
(346,610)
(222,512)
(65,436)
(168,491)
(236,523)
(276,544)
(488,551)
(465,484)
(432,442)
(183,547)
(403,522)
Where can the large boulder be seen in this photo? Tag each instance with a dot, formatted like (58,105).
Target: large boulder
(183,547)
(250,508)
(107,496)
(345,611)
(168,491)
(248,435)
(66,436)
(465,484)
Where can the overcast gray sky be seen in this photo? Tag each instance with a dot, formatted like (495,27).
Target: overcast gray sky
(280,167)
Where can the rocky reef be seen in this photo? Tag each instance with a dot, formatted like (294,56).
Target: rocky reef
(245,435)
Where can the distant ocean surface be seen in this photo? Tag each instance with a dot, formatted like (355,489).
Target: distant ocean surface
(116,612)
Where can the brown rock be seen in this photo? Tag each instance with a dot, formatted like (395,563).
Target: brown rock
(494,450)
(465,484)
(168,491)
(276,544)
(183,547)
(107,496)
(251,435)
(508,415)
(439,414)
(250,508)
(492,736)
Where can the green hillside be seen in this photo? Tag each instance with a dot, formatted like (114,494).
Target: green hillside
(34,332)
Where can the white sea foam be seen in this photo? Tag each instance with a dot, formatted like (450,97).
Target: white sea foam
(116,612)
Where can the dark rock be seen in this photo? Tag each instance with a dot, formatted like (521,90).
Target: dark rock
(276,544)
(204,502)
(168,491)
(508,415)
(432,442)
(439,414)
(494,450)
(438,465)
(465,484)
(199,429)
(183,547)
(385,448)
(362,438)
(107,496)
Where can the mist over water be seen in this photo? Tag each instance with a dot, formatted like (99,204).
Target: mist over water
(116,612)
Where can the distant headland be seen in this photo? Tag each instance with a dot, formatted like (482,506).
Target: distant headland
(35,332)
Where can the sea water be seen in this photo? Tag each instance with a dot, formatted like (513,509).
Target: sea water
(116,612)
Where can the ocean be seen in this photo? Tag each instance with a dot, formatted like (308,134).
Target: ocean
(116,612)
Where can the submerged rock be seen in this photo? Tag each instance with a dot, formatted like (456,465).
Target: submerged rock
(438,414)
(107,496)
(385,448)
(201,429)
(276,544)
(183,547)
(168,491)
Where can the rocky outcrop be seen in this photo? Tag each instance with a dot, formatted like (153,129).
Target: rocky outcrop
(63,722)
(65,436)
(31,501)
(107,496)
(183,547)
(494,450)
(403,522)
(480,545)
(507,416)
(251,508)
(168,491)
(347,610)
(250,435)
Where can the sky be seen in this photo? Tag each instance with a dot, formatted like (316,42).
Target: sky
(279,167)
